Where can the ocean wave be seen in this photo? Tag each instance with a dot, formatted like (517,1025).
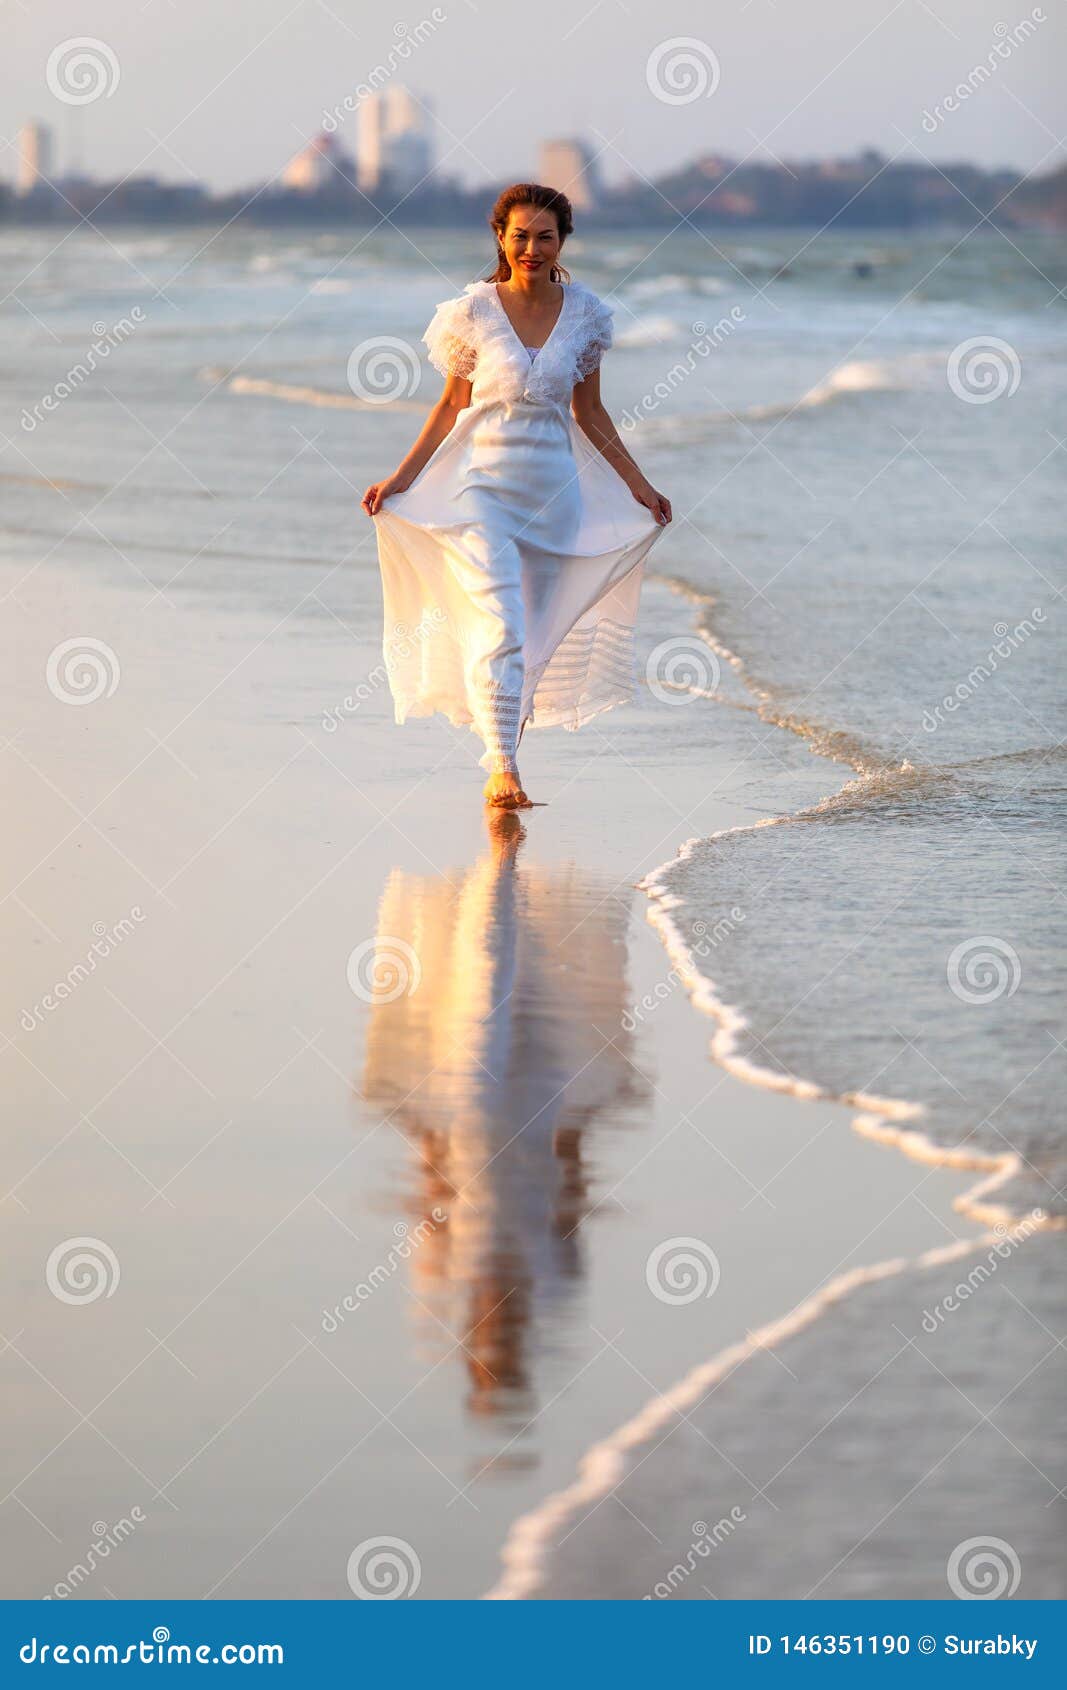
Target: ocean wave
(876,784)
(851,381)
(650,331)
(833,743)
(859,376)
(291,393)
(654,287)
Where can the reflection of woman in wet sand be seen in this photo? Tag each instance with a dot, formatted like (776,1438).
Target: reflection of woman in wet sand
(507,1048)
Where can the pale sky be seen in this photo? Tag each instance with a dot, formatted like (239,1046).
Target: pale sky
(226,90)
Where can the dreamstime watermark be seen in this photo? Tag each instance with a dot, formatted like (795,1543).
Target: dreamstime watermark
(81,70)
(681,70)
(1008,38)
(681,669)
(982,1569)
(384,1569)
(662,990)
(81,670)
(1008,1240)
(382,969)
(983,969)
(408,1240)
(982,369)
(384,368)
(400,644)
(1008,640)
(82,1270)
(107,940)
(105,339)
(705,343)
(705,1540)
(105,1539)
(682,1270)
(408,40)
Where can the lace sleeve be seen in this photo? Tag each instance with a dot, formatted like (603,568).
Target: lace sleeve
(599,335)
(450,340)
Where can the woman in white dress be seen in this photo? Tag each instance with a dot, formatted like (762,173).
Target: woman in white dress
(512,537)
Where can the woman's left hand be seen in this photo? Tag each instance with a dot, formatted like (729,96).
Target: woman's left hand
(645,494)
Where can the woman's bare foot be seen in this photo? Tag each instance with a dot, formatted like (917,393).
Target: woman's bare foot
(504,792)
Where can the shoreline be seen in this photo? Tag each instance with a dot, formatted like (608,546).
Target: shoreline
(525,1556)
(651,1176)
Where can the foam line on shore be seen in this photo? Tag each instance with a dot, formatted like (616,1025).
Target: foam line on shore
(603,1467)
(881,1119)
(884,1120)
(261,387)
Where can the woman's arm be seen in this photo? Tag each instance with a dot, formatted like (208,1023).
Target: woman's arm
(597,426)
(455,397)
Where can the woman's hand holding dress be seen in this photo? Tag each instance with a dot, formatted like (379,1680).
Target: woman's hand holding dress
(645,494)
(379,490)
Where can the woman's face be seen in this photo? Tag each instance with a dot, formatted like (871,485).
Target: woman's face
(531,240)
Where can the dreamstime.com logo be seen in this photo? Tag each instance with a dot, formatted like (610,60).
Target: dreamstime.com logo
(82,1270)
(983,1569)
(982,369)
(105,338)
(384,1569)
(105,1539)
(983,969)
(1008,1240)
(158,1650)
(682,70)
(408,1240)
(106,939)
(1008,640)
(384,368)
(1007,39)
(682,1270)
(81,670)
(705,942)
(705,1540)
(408,40)
(705,343)
(400,643)
(383,969)
(681,669)
(82,70)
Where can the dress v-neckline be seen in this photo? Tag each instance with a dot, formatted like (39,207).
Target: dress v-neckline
(515,333)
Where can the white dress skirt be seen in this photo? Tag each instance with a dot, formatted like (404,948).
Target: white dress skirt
(511,567)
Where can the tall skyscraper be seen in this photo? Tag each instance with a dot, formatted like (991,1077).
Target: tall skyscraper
(570,168)
(34,168)
(395,139)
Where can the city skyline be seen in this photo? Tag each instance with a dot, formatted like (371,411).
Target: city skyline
(237,103)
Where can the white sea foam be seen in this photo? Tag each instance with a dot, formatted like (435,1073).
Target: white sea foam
(293,394)
(525,1553)
(884,1120)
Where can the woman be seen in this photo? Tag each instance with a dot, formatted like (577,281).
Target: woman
(512,536)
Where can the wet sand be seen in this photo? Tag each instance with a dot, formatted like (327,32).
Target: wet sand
(381,1110)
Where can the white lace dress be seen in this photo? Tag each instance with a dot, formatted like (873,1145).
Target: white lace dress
(511,567)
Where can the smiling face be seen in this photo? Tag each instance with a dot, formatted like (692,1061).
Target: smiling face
(531,241)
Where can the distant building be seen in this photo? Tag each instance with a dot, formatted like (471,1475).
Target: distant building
(570,168)
(34,153)
(320,167)
(395,140)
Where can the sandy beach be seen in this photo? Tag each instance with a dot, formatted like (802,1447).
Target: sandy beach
(397,1195)
(250,1134)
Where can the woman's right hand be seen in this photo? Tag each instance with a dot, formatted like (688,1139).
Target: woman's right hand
(379,490)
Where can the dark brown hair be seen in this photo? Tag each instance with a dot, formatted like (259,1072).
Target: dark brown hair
(542,199)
